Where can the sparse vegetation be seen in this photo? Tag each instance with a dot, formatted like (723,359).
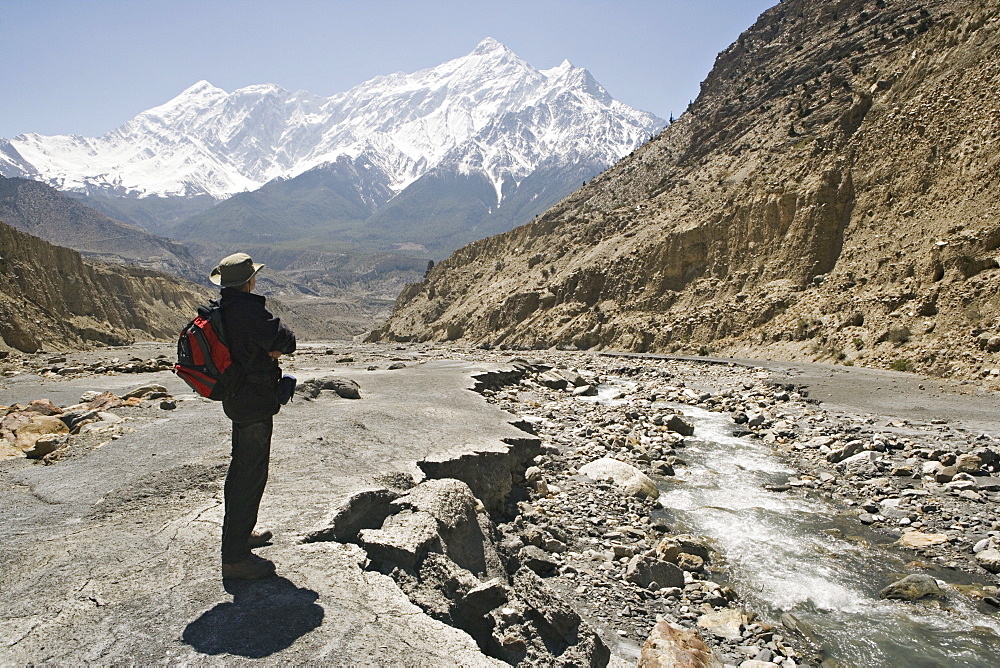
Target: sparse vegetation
(898,335)
(901,364)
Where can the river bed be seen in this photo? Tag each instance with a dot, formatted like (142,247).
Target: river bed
(787,553)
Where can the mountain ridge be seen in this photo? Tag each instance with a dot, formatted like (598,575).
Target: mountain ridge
(831,195)
(208,141)
(42,211)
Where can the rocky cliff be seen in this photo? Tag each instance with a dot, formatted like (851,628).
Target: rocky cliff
(51,298)
(832,194)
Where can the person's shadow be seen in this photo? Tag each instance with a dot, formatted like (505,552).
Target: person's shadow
(265,616)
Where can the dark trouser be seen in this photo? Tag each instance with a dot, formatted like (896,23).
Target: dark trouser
(245,486)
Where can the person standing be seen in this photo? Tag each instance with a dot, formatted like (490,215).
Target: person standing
(256,340)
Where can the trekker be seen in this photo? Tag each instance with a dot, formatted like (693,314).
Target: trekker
(256,340)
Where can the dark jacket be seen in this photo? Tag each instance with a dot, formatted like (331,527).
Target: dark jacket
(252,332)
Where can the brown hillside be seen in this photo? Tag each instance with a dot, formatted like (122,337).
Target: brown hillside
(832,194)
(51,298)
(44,212)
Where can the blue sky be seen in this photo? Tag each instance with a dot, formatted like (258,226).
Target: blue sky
(87,66)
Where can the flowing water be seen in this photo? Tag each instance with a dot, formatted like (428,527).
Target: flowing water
(789,554)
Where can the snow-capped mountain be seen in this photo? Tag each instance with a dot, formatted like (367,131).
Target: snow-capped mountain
(489,114)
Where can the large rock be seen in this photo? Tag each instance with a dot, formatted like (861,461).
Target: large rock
(847,450)
(451,503)
(366,509)
(989,559)
(8,450)
(42,407)
(678,424)
(343,387)
(918,539)
(671,646)
(671,548)
(537,560)
(10,423)
(630,479)
(560,625)
(79,417)
(488,474)
(404,539)
(45,445)
(643,570)
(726,623)
(106,401)
(968,463)
(912,588)
(149,391)
(43,425)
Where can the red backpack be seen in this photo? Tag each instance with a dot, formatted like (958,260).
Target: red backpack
(203,360)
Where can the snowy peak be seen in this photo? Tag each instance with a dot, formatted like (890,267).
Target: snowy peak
(491,107)
(490,45)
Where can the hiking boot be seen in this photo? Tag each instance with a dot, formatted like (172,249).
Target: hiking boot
(251,568)
(259,538)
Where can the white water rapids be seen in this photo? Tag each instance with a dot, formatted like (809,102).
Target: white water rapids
(788,554)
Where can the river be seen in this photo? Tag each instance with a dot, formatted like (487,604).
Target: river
(786,553)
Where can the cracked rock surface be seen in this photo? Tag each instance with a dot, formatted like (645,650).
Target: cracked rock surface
(111,554)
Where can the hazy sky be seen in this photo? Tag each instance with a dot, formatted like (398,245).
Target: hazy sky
(87,66)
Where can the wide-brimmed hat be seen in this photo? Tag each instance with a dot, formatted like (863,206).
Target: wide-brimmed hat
(234,270)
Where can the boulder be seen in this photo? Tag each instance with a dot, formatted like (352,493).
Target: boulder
(485,597)
(670,646)
(10,423)
(76,418)
(150,391)
(488,474)
(364,510)
(643,570)
(561,624)
(572,377)
(343,387)
(43,425)
(690,562)
(45,445)
(989,559)
(42,407)
(8,450)
(938,472)
(912,588)
(630,479)
(860,463)
(553,380)
(105,401)
(725,623)
(456,511)
(537,560)
(404,539)
(968,463)
(671,548)
(678,424)
(917,539)
(847,450)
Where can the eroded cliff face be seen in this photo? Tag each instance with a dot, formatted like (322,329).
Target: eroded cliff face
(832,194)
(51,298)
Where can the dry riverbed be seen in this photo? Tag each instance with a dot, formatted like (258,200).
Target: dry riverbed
(589,513)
